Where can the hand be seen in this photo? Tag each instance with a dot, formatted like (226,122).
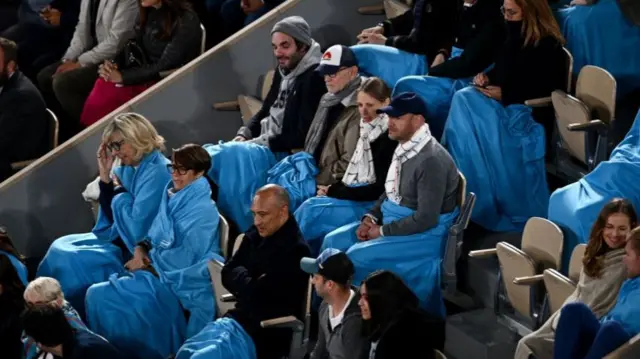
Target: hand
(438,60)
(579,3)
(322,190)
(116,180)
(239,139)
(67,66)
(374,232)
(374,38)
(105,162)
(249,6)
(51,16)
(362,231)
(481,80)
(109,72)
(139,261)
(372,30)
(494,92)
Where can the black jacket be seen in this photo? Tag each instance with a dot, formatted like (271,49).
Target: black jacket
(414,335)
(382,151)
(435,32)
(265,275)
(84,345)
(24,124)
(164,54)
(529,72)
(299,110)
(480,33)
(10,328)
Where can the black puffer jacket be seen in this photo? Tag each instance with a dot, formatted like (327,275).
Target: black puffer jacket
(164,54)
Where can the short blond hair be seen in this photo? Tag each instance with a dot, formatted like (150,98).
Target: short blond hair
(46,289)
(137,131)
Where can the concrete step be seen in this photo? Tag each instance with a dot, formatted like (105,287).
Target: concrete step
(478,334)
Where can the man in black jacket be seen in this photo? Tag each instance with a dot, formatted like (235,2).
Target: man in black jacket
(23,115)
(284,119)
(264,275)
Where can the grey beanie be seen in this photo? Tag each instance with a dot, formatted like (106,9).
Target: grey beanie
(296,27)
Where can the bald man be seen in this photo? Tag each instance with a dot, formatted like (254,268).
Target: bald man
(264,275)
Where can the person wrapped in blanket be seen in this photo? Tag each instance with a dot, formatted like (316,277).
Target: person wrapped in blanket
(490,133)
(405,230)
(142,312)
(362,182)
(581,335)
(129,202)
(600,280)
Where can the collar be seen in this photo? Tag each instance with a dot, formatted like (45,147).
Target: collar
(10,76)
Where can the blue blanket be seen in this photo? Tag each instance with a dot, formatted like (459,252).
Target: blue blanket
(80,260)
(318,216)
(601,35)
(388,63)
(30,347)
(20,268)
(297,174)
(239,169)
(575,207)
(501,153)
(221,339)
(417,258)
(184,238)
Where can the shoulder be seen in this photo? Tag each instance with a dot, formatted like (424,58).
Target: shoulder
(189,18)
(435,155)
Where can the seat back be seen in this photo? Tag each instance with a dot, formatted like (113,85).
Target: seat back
(462,190)
(223,229)
(395,8)
(542,241)
(267,81)
(568,63)
(237,243)
(596,87)
(440,355)
(215,271)
(203,39)
(54,128)
(570,110)
(575,263)
(516,263)
(559,288)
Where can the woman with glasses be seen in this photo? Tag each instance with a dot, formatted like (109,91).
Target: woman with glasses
(142,312)
(392,321)
(128,204)
(9,250)
(491,133)
(11,305)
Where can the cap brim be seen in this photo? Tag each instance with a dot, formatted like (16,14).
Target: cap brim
(327,69)
(390,111)
(309,265)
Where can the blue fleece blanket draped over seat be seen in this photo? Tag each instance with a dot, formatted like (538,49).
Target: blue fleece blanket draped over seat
(601,35)
(575,207)
(501,153)
(140,309)
(221,339)
(297,174)
(20,268)
(239,169)
(417,258)
(80,260)
(388,63)
(320,215)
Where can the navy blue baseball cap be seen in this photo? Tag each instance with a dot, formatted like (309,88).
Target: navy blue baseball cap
(335,58)
(332,264)
(404,103)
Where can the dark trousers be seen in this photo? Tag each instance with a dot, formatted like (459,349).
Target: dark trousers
(580,335)
(66,94)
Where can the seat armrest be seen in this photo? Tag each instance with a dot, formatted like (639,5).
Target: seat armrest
(16,166)
(283,322)
(227,298)
(539,102)
(483,253)
(529,280)
(166,73)
(227,106)
(371,10)
(591,126)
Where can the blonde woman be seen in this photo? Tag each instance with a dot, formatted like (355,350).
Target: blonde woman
(129,201)
(600,280)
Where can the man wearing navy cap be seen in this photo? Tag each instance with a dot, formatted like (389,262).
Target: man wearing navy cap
(340,320)
(335,129)
(422,175)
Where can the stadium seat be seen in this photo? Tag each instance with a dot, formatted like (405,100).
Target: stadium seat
(224,300)
(542,243)
(377,9)
(247,104)
(395,8)
(584,122)
(53,140)
(559,287)
(223,228)
(453,247)
(440,355)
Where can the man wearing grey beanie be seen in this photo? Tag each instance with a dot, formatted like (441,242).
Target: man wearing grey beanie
(287,112)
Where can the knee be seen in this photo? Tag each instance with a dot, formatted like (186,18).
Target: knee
(575,310)
(61,85)
(45,79)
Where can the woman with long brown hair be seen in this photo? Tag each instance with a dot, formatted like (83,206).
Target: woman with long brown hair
(9,250)
(601,278)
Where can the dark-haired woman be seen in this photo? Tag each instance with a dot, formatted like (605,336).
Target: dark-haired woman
(11,305)
(167,36)
(142,311)
(600,280)
(395,325)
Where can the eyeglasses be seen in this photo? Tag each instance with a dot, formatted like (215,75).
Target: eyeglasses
(333,76)
(175,168)
(115,145)
(508,12)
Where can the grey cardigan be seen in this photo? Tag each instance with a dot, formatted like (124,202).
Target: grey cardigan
(428,185)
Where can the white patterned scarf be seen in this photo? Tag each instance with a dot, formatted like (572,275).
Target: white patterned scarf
(403,153)
(361,170)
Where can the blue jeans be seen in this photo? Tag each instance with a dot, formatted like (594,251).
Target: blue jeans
(580,335)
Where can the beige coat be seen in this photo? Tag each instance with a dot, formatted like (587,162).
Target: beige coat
(599,294)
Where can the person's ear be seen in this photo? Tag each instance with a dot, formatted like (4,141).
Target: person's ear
(386,102)
(11,67)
